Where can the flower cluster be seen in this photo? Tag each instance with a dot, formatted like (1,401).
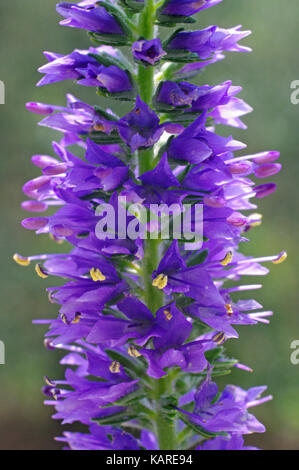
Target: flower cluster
(143,321)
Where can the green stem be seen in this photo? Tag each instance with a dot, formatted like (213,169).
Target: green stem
(153,297)
(165,426)
(146,30)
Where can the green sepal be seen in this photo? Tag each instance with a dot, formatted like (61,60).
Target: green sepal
(183,301)
(181,56)
(134,6)
(107,60)
(178,55)
(170,20)
(109,39)
(164,107)
(119,15)
(198,258)
(130,399)
(114,312)
(100,194)
(199,430)
(184,173)
(103,113)
(129,95)
(167,406)
(117,418)
(168,109)
(221,373)
(101,138)
(213,354)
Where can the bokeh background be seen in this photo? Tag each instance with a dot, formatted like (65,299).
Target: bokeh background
(28,28)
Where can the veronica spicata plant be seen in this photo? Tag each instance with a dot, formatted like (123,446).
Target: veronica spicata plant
(143,320)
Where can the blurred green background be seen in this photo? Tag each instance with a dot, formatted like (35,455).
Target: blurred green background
(28,28)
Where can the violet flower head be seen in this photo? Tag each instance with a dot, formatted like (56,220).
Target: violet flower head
(143,317)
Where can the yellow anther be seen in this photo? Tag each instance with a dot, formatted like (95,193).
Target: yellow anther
(99,127)
(168,314)
(77,318)
(54,394)
(255,220)
(133,352)
(64,319)
(40,272)
(227,259)
(49,382)
(114,367)
(57,240)
(160,281)
(280,258)
(21,260)
(50,297)
(199,3)
(229,309)
(48,344)
(97,275)
(219,338)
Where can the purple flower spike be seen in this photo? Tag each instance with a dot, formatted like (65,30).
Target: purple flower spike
(154,205)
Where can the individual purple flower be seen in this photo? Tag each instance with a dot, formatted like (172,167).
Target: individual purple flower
(196,143)
(80,65)
(190,70)
(148,52)
(114,385)
(226,108)
(77,118)
(228,412)
(156,184)
(89,15)
(231,442)
(140,127)
(100,438)
(186,7)
(208,41)
(138,325)
(231,314)
(174,276)
(99,170)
